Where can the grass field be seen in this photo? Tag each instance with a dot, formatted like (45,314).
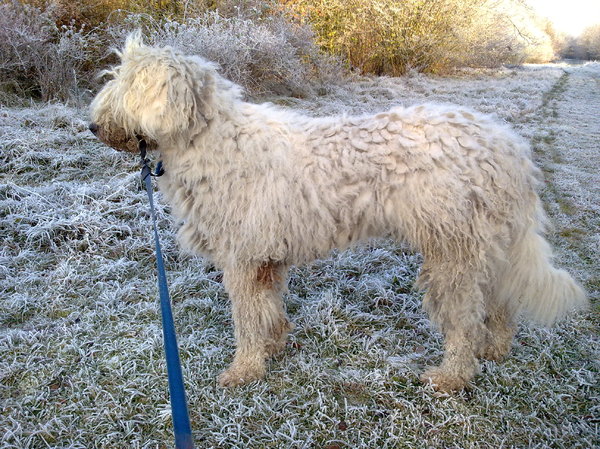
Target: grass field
(81,359)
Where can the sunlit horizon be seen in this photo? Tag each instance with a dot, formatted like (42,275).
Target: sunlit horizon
(571,16)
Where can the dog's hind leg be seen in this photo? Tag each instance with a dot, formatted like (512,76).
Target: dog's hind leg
(454,300)
(501,326)
(261,326)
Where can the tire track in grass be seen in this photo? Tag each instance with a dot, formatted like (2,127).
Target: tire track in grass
(544,144)
(566,150)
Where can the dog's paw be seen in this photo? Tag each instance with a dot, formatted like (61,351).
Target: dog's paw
(496,350)
(278,338)
(494,353)
(440,380)
(238,374)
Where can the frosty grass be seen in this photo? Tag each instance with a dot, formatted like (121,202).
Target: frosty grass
(81,358)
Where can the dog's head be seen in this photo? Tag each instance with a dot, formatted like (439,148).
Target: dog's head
(156,93)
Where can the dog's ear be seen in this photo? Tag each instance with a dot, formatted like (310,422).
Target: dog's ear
(168,95)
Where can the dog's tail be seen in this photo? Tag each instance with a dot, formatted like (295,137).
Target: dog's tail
(533,286)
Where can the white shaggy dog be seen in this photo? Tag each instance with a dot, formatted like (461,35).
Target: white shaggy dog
(258,189)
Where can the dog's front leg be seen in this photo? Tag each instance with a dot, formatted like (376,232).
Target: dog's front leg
(261,326)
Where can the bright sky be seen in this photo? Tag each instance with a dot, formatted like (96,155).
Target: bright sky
(569,16)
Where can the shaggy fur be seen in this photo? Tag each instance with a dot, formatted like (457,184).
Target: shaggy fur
(258,189)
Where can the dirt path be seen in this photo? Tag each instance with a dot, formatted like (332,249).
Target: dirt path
(567,148)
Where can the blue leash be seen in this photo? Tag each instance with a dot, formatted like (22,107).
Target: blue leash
(179,410)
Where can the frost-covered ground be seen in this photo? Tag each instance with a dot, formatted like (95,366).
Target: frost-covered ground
(81,361)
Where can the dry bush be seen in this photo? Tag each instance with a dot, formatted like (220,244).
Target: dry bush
(97,13)
(532,31)
(590,42)
(256,46)
(506,32)
(558,38)
(393,36)
(385,36)
(52,50)
(490,40)
(38,58)
(266,55)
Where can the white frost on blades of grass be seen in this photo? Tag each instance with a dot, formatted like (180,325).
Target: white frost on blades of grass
(81,362)
(513,94)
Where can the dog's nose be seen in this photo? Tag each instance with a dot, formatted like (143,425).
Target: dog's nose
(93,128)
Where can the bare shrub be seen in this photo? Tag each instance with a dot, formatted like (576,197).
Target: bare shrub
(590,42)
(531,31)
(491,39)
(558,38)
(391,37)
(263,54)
(505,32)
(38,58)
(281,47)
(255,44)
(95,13)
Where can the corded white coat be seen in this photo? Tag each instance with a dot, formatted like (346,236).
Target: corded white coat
(258,188)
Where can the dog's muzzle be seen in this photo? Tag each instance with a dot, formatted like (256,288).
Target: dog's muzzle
(119,139)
